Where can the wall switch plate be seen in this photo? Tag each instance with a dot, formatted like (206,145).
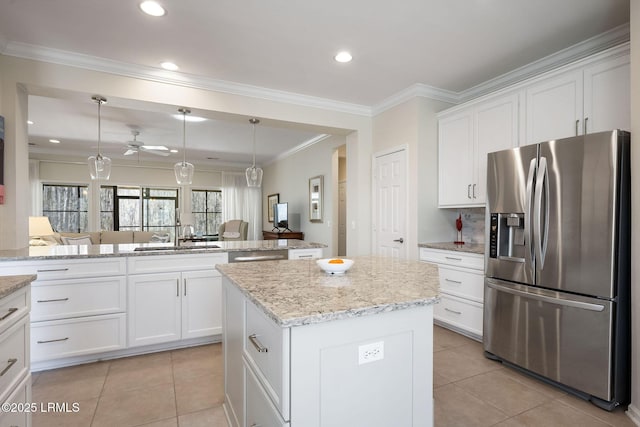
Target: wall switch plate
(370,352)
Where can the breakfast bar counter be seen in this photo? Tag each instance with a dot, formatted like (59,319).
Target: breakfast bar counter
(306,348)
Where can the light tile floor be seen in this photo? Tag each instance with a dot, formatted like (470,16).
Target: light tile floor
(185,388)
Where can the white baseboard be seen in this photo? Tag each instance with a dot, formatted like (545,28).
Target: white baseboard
(634,414)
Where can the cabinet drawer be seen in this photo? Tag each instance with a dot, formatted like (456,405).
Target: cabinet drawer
(14,356)
(461,259)
(266,348)
(462,283)
(260,410)
(75,337)
(462,314)
(170,263)
(315,253)
(13,307)
(21,395)
(57,299)
(68,269)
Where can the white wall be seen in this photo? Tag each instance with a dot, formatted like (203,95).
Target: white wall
(413,124)
(634,408)
(18,76)
(289,177)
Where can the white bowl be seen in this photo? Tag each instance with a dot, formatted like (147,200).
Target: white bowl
(335,268)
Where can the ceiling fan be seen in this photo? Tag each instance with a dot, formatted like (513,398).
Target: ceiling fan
(136,146)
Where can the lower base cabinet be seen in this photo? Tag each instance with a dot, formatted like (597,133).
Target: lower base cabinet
(17,416)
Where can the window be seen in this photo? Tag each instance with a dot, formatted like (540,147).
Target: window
(206,207)
(66,206)
(135,208)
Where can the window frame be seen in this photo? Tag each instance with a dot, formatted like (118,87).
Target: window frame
(207,212)
(78,187)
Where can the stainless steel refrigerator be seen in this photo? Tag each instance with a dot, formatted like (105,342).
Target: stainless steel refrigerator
(557,285)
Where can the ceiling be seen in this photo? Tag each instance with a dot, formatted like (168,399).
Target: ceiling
(284,46)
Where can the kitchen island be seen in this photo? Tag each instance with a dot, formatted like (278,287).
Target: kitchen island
(304,348)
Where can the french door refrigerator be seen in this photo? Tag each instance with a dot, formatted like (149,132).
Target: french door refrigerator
(557,285)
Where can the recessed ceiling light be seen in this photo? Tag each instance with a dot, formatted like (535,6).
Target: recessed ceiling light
(29,122)
(169,66)
(189,118)
(173,151)
(343,56)
(54,141)
(152,8)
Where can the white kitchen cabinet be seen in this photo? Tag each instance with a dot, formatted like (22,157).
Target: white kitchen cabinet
(174,305)
(464,139)
(462,288)
(591,98)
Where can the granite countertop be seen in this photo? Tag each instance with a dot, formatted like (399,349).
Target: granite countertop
(10,284)
(95,251)
(295,293)
(474,248)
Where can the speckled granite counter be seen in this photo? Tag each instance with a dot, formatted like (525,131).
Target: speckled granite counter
(475,248)
(95,251)
(295,293)
(10,284)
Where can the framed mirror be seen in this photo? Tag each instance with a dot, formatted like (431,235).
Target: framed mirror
(315,198)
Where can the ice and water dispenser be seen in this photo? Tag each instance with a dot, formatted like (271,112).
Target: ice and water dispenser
(506,236)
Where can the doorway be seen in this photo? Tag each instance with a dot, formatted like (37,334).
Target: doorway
(390,202)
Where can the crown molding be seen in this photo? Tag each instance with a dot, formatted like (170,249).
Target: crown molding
(415,90)
(61,57)
(300,147)
(581,50)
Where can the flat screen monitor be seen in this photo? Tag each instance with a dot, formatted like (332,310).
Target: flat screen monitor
(281,215)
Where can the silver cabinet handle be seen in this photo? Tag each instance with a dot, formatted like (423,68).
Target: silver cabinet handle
(586,119)
(577,124)
(58,340)
(453,281)
(400,240)
(53,300)
(53,269)
(9,313)
(185,286)
(469,191)
(305,256)
(474,191)
(452,311)
(453,258)
(177,287)
(255,425)
(254,340)
(10,363)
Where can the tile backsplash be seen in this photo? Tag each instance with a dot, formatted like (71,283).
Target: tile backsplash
(472,223)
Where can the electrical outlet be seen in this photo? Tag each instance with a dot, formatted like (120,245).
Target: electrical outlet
(370,352)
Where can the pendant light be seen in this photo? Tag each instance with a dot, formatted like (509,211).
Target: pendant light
(184,170)
(254,174)
(99,166)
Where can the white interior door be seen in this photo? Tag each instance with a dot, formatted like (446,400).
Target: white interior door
(342,218)
(390,178)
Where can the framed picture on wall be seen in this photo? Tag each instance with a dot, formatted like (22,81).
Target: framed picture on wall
(315,198)
(272,199)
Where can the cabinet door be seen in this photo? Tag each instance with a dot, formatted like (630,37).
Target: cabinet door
(201,304)
(607,90)
(233,313)
(455,154)
(154,308)
(554,108)
(496,128)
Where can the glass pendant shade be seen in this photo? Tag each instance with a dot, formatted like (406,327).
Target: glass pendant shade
(254,174)
(184,170)
(99,165)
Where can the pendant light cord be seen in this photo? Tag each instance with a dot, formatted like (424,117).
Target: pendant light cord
(184,112)
(254,122)
(99,105)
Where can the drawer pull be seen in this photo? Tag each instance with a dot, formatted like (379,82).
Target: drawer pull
(257,344)
(10,363)
(453,281)
(60,339)
(53,300)
(255,425)
(53,269)
(11,311)
(453,258)
(452,311)
(305,256)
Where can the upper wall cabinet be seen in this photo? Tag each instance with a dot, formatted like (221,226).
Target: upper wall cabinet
(465,137)
(589,99)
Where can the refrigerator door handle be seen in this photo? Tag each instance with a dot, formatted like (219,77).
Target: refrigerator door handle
(527,213)
(540,230)
(551,300)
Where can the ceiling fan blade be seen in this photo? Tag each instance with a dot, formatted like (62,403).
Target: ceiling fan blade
(130,152)
(154,147)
